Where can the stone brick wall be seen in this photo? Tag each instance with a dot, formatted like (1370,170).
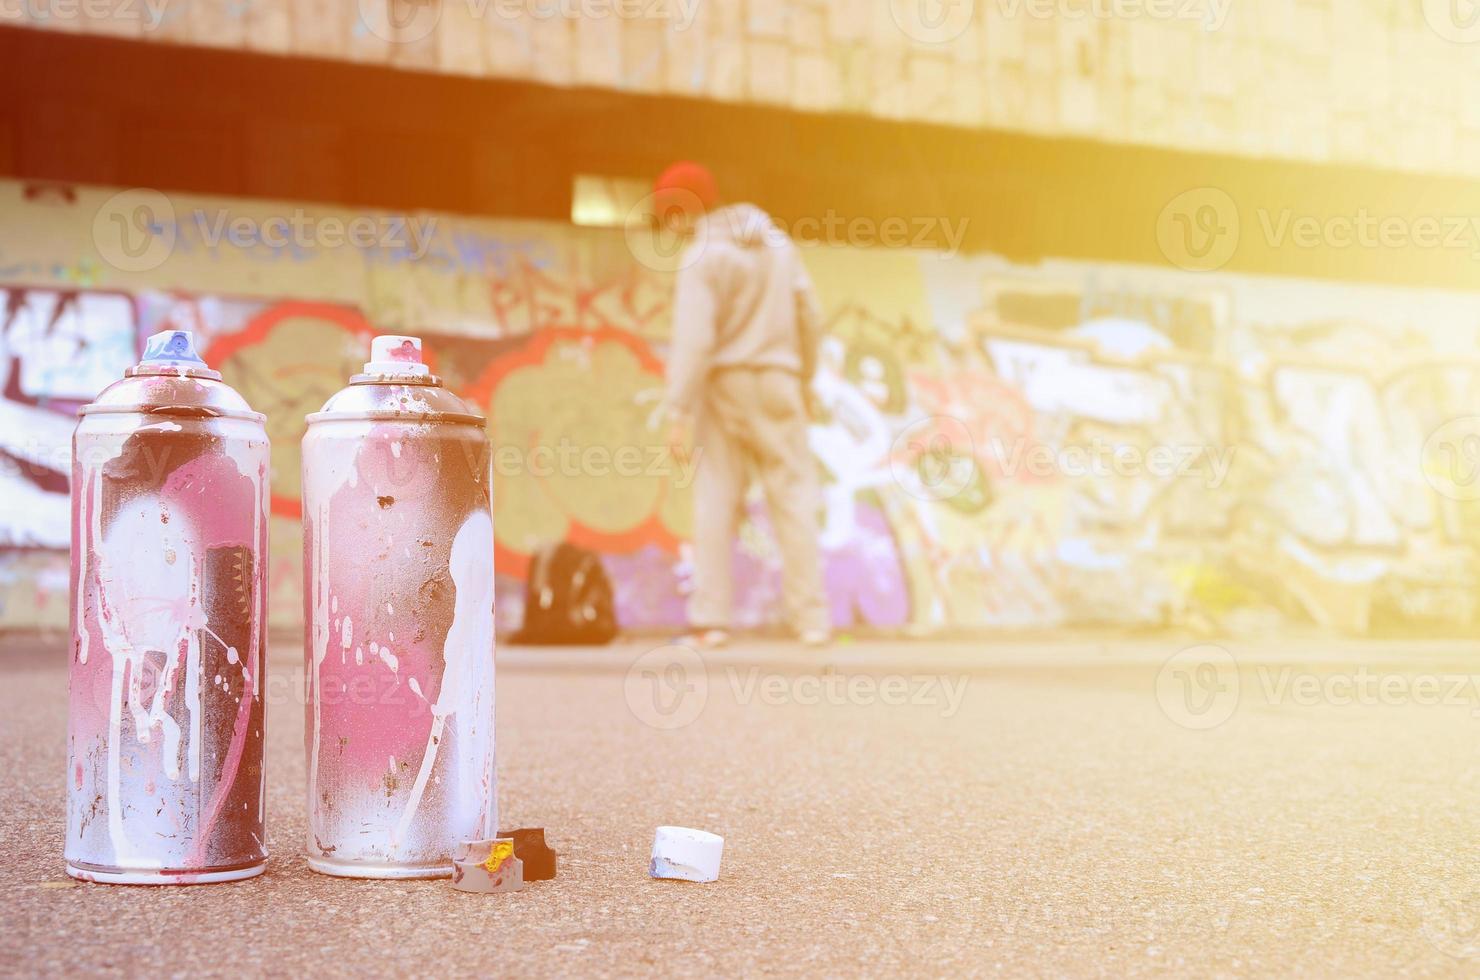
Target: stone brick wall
(1342,81)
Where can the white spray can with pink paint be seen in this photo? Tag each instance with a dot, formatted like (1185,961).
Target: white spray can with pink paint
(169,552)
(398,623)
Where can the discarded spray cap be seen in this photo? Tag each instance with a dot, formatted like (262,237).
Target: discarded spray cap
(530,848)
(500,871)
(392,354)
(685,854)
(171,347)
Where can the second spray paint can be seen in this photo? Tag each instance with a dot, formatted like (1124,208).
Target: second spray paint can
(398,621)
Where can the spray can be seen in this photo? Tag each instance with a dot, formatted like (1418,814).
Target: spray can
(398,623)
(169,551)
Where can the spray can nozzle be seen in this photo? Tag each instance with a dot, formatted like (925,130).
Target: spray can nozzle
(171,347)
(392,354)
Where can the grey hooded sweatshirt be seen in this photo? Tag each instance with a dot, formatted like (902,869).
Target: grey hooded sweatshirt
(742,299)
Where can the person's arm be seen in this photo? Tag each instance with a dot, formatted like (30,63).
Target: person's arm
(693,336)
(809,318)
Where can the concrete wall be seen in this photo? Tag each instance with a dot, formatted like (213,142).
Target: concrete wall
(1351,81)
(1004,445)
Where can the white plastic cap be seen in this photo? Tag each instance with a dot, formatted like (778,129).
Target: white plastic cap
(391,354)
(171,347)
(686,855)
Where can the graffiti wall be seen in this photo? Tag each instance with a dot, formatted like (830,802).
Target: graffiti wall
(1003,446)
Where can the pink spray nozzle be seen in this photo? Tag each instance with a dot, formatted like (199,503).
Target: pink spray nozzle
(391,354)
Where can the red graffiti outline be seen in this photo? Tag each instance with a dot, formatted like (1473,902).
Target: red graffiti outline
(259,326)
(224,346)
(532,354)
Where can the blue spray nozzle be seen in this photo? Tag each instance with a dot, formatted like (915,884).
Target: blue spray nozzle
(171,347)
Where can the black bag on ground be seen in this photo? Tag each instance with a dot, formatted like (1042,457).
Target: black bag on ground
(567,599)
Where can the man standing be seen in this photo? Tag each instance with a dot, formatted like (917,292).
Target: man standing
(745,332)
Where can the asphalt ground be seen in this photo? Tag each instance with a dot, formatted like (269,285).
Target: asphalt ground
(1021,807)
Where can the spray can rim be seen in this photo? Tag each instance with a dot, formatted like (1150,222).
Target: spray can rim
(172,411)
(388,415)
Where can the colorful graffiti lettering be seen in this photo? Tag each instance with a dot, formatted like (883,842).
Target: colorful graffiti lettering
(1047,446)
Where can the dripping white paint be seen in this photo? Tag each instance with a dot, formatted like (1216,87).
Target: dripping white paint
(169,529)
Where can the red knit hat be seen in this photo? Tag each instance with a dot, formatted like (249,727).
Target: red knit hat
(684,185)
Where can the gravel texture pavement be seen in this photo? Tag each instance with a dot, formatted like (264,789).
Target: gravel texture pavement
(1018,807)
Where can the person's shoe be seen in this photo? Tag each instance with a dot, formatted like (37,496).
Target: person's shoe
(815,638)
(705,639)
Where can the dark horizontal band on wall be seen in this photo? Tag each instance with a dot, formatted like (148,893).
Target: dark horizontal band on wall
(127,113)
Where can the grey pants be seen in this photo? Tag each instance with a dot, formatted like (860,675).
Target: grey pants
(753,421)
